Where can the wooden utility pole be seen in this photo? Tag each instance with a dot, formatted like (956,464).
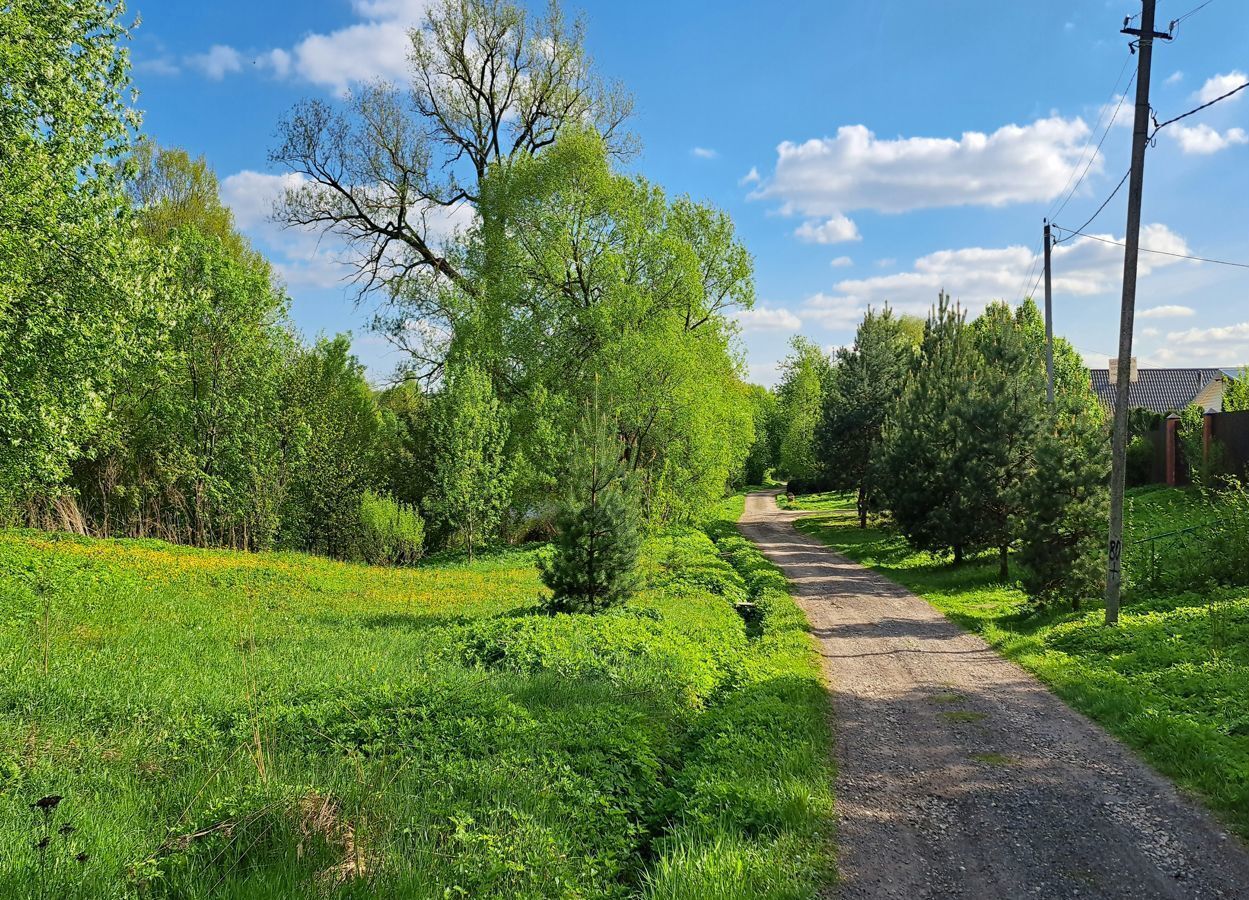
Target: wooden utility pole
(1119,440)
(1049,321)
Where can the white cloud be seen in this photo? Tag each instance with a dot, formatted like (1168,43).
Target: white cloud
(1224,346)
(834,230)
(763,318)
(354,54)
(856,170)
(1166,312)
(375,47)
(886,262)
(1175,77)
(1150,332)
(158,65)
(703,153)
(751,177)
(1219,85)
(1204,140)
(1221,335)
(842,262)
(977,275)
(218,62)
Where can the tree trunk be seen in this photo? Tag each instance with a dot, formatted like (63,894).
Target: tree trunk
(958,555)
(862,506)
(1003,571)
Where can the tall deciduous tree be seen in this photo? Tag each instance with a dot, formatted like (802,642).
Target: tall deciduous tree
(394,171)
(68,283)
(471,478)
(805,377)
(870,376)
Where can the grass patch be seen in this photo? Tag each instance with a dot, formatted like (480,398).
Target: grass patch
(275,725)
(995,759)
(1170,681)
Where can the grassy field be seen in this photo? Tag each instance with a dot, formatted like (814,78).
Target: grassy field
(275,725)
(1171,681)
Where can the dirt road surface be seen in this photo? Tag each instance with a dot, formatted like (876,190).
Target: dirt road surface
(960,775)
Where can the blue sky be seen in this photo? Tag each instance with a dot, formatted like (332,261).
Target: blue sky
(868,152)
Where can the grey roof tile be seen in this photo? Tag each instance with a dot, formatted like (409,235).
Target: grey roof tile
(1159,390)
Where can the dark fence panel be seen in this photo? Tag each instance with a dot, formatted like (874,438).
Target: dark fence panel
(1157,437)
(1231,430)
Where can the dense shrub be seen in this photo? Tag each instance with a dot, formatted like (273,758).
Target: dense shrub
(390,531)
(1140,462)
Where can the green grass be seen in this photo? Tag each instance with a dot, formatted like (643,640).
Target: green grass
(830,500)
(276,725)
(1170,681)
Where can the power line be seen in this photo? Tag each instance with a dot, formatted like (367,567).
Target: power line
(1196,109)
(1094,237)
(1101,114)
(1105,202)
(1019,294)
(1197,9)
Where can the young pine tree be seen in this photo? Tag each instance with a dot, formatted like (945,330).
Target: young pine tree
(924,464)
(1004,414)
(870,378)
(1064,503)
(593,562)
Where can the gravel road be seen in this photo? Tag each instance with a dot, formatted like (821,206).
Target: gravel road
(960,775)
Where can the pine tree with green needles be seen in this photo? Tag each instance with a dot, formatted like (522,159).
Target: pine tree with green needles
(924,465)
(593,561)
(870,377)
(1004,414)
(1064,503)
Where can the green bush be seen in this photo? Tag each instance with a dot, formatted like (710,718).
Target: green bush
(390,532)
(1140,465)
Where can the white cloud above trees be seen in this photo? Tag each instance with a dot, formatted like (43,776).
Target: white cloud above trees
(974,276)
(764,318)
(375,47)
(825,179)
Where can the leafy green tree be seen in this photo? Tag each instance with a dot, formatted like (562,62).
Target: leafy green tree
(390,169)
(332,432)
(870,376)
(70,284)
(593,562)
(1236,392)
(590,280)
(924,466)
(1003,415)
(805,376)
(472,479)
(761,459)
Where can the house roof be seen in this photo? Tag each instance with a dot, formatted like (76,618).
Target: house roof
(1158,390)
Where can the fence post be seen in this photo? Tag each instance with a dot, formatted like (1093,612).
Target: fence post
(1207,435)
(1172,435)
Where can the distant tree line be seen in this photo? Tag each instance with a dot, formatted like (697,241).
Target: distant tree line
(152,384)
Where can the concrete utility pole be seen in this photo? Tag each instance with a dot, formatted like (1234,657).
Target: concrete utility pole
(1140,138)
(1049,320)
